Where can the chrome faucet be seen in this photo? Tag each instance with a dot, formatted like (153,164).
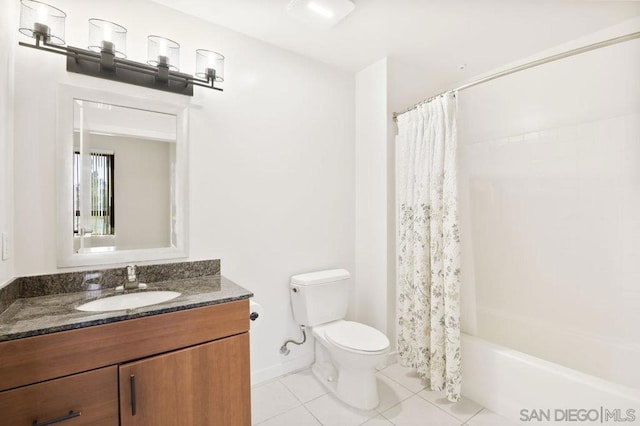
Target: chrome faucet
(132,278)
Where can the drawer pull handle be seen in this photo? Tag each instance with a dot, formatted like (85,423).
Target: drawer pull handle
(132,382)
(71,415)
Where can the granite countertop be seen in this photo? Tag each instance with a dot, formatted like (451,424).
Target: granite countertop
(32,316)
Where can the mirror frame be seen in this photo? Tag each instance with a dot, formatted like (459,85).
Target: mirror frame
(66,257)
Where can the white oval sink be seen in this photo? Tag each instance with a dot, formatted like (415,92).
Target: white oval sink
(128,301)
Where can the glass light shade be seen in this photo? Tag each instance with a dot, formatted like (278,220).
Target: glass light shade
(208,61)
(41,18)
(162,51)
(108,36)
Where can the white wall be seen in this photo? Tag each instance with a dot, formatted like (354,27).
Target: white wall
(7,45)
(142,191)
(382,88)
(550,185)
(270,160)
(371,295)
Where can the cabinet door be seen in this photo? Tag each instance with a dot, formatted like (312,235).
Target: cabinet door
(203,385)
(82,399)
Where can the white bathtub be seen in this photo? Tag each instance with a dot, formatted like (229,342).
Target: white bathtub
(507,382)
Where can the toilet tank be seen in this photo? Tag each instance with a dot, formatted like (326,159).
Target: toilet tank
(320,297)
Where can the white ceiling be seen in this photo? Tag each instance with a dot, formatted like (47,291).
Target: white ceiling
(434,35)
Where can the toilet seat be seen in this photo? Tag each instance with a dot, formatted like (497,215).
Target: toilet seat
(356,337)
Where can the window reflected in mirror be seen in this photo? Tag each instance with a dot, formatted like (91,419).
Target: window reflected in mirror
(101,171)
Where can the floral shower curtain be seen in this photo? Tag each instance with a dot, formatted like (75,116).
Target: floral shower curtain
(428,249)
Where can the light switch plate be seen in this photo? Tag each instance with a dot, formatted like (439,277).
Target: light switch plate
(5,246)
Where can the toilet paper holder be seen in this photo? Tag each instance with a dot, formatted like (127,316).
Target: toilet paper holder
(255,313)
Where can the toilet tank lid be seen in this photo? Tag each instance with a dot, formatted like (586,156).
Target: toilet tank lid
(320,277)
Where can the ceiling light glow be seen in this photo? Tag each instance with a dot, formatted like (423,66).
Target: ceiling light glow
(320,10)
(320,13)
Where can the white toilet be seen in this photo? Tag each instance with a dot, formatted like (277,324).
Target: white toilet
(347,352)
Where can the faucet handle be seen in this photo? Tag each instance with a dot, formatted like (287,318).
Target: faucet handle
(131,273)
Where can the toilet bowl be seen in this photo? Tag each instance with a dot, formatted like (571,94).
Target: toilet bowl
(354,350)
(346,352)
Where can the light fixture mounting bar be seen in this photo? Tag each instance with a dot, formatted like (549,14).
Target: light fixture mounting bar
(105,65)
(131,72)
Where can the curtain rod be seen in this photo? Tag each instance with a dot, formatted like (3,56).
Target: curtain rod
(528,65)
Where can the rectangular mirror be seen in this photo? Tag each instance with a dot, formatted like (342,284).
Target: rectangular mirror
(121,179)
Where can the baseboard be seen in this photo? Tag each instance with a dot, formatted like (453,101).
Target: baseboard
(285,367)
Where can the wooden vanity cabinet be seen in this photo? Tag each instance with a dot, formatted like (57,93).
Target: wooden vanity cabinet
(189,367)
(199,386)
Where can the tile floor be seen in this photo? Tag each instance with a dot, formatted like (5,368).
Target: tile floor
(298,399)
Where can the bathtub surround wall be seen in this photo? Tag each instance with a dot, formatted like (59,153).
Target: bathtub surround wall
(549,161)
(7,43)
(270,160)
(553,190)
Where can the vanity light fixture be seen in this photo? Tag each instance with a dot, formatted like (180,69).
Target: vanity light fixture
(107,36)
(163,52)
(106,53)
(209,65)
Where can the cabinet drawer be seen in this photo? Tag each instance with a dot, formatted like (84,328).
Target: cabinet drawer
(93,394)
